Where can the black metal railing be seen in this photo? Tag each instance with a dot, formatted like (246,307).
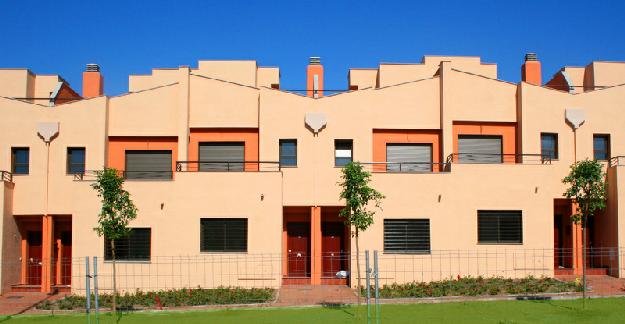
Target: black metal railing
(91,175)
(617,161)
(489,158)
(6,176)
(227,166)
(407,167)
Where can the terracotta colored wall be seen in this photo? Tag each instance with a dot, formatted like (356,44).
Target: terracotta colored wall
(506,130)
(117,147)
(249,136)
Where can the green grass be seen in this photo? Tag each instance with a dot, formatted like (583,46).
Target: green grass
(606,310)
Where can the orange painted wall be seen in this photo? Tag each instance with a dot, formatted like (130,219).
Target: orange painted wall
(311,71)
(419,136)
(117,146)
(247,135)
(507,131)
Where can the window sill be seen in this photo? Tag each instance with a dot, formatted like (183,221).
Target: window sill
(129,261)
(495,243)
(288,166)
(409,252)
(220,252)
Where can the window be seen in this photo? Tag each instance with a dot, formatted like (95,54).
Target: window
(408,157)
(154,165)
(221,156)
(135,246)
(75,160)
(288,152)
(480,149)
(407,235)
(343,150)
(223,235)
(601,147)
(20,157)
(549,146)
(499,226)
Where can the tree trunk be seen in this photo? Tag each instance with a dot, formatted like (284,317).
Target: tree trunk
(114,278)
(358,266)
(584,223)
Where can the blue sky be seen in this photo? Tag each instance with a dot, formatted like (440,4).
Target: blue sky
(131,37)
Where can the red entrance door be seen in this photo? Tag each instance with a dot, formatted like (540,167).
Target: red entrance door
(33,263)
(66,260)
(333,248)
(298,249)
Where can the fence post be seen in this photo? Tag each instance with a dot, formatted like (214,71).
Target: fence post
(95,283)
(376,274)
(368,284)
(87,285)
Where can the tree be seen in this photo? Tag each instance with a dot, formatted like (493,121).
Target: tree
(587,187)
(117,211)
(358,196)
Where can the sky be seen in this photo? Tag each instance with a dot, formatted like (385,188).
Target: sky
(132,37)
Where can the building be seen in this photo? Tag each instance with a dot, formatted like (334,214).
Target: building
(225,165)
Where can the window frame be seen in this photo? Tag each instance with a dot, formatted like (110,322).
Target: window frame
(556,153)
(419,252)
(608,148)
(499,241)
(13,164)
(351,149)
(68,165)
(225,249)
(280,142)
(108,258)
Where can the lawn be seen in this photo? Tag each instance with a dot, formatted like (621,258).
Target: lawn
(607,310)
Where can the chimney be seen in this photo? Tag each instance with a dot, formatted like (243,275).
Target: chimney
(314,78)
(92,82)
(530,71)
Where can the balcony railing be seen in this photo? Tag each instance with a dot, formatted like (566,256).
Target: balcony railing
(227,166)
(617,161)
(6,176)
(91,175)
(488,158)
(407,167)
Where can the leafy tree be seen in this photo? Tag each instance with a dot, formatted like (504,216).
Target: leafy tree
(358,196)
(117,211)
(587,187)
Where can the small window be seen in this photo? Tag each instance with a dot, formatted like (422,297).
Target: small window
(407,235)
(499,226)
(601,147)
(549,146)
(75,160)
(143,164)
(20,159)
(343,150)
(223,235)
(135,246)
(288,152)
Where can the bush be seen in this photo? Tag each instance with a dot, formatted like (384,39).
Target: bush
(168,298)
(476,286)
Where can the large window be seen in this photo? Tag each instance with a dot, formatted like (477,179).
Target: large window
(136,246)
(499,226)
(480,149)
(549,146)
(20,157)
(601,147)
(223,235)
(407,235)
(75,160)
(222,156)
(155,165)
(343,151)
(288,152)
(402,157)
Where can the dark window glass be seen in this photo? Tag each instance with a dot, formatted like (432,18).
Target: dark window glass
(343,150)
(75,160)
(223,235)
(135,246)
(407,235)
(499,226)
(601,147)
(549,145)
(143,164)
(20,159)
(288,152)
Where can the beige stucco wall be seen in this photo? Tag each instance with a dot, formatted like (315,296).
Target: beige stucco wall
(9,238)
(14,83)
(267,76)
(241,72)
(363,78)
(607,74)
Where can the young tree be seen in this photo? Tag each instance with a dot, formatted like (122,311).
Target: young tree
(358,195)
(117,211)
(587,187)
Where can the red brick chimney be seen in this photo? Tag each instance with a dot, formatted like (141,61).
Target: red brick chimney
(92,82)
(314,78)
(530,71)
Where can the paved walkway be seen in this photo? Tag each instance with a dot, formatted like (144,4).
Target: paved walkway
(14,303)
(315,295)
(601,285)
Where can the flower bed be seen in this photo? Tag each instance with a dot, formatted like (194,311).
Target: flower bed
(168,298)
(479,286)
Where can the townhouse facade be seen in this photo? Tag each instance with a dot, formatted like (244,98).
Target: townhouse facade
(222,162)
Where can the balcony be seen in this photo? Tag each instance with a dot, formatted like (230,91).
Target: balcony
(6,176)
(488,158)
(617,161)
(407,167)
(228,166)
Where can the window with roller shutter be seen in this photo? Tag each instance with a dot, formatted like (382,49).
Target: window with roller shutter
(222,156)
(499,226)
(152,165)
(403,157)
(407,235)
(480,149)
(223,235)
